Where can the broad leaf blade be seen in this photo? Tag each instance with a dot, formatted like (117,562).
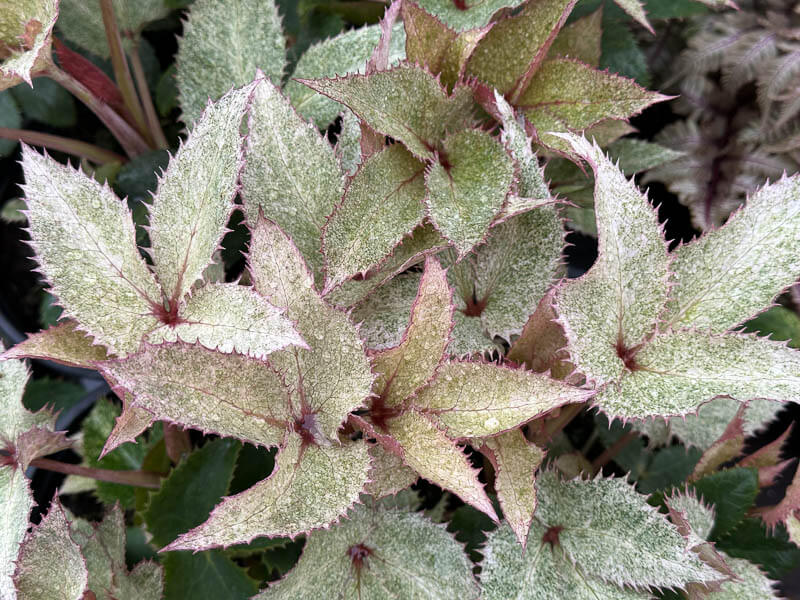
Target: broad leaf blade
(223,45)
(612,308)
(291,174)
(62,343)
(465,195)
(303,493)
(26,31)
(17,501)
(85,243)
(581,39)
(388,475)
(195,195)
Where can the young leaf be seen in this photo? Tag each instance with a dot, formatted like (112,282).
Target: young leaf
(676,371)
(50,565)
(731,273)
(25,36)
(468,188)
(406,103)
(132,422)
(290,174)
(83,233)
(303,493)
(223,45)
(229,317)
(541,571)
(62,343)
(17,501)
(406,367)
(387,192)
(388,475)
(610,310)
(228,394)
(341,55)
(482,399)
(515,461)
(379,552)
(195,195)
(466,15)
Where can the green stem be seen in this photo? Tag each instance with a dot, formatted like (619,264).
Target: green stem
(91,152)
(153,124)
(144,479)
(130,139)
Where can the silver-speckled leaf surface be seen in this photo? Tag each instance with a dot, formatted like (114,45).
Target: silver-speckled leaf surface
(388,475)
(17,501)
(26,28)
(62,343)
(385,313)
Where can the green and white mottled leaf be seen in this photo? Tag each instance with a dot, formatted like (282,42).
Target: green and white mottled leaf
(303,493)
(465,196)
(635,9)
(290,173)
(635,156)
(348,143)
(515,461)
(62,343)
(612,308)
(731,273)
(512,50)
(611,531)
(407,556)
(229,317)
(385,314)
(388,475)
(482,399)
(406,103)
(539,571)
(387,192)
(469,337)
(680,370)
(132,422)
(195,195)
(346,53)
(754,585)
(405,368)
(26,29)
(333,377)
(223,45)
(17,501)
(698,516)
(85,243)
(228,394)
(50,565)
(473,13)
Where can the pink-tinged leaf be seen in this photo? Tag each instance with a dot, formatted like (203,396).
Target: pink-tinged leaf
(468,187)
(472,399)
(130,424)
(39,441)
(406,103)
(611,310)
(229,317)
(513,50)
(195,195)
(63,343)
(386,192)
(388,475)
(405,368)
(726,448)
(50,565)
(17,501)
(228,394)
(379,60)
(635,9)
(785,509)
(85,242)
(515,461)
(768,455)
(333,377)
(27,31)
(581,40)
(427,450)
(303,493)
(768,475)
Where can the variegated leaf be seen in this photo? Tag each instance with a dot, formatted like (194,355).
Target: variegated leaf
(405,368)
(223,45)
(482,399)
(50,565)
(386,192)
(133,421)
(406,103)
(302,493)
(348,143)
(515,461)
(468,14)
(26,29)
(229,317)
(729,274)
(340,55)
(62,343)
(388,475)
(290,174)
(228,394)
(540,571)
(469,337)
(17,501)
(85,243)
(385,313)
(609,311)
(195,195)
(699,516)
(377,553)
(753,583)
(581,40)
(333,377)
(677,371)
(468,187)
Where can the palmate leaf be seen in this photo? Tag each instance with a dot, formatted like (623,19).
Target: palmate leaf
(26,29)
(468,187)
(290,174)
(467,15)
(405,102)
(387,192)
(17,501)
(62,343)
(303,493)
(223,45)
(379,552)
